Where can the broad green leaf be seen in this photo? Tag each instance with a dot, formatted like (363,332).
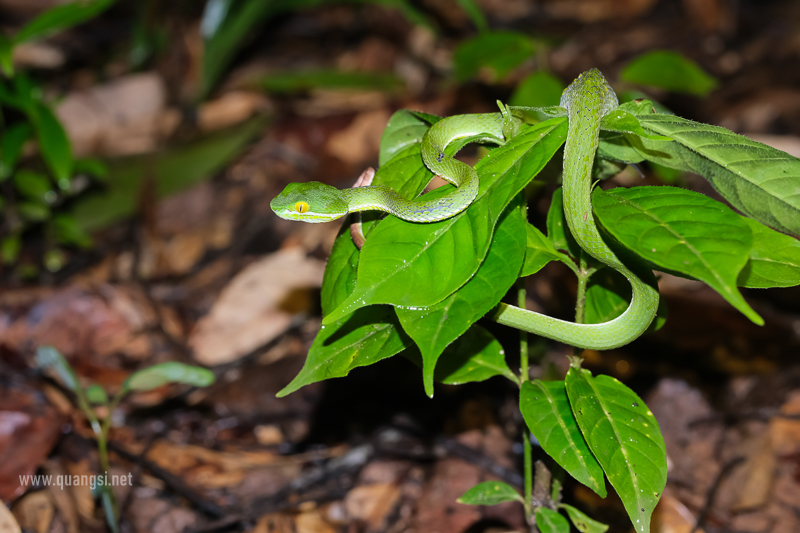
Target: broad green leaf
(774,259)
(549,521)
(91,166)
(434,328)
(682,232)
(171,372)
(96,394)
(557,228)
(403,129)
(607,296)
(621,121)
(624,437)
(539,252)
(418,265)
(583,523)
(32,184)
(365,337)
(490,493)
(49,357)
(669,70)
(758,180)
(499,51)
(475,14)
(172,170)
(60,18)
(616,147)
(540,89)
(53,143)
(304,80)
(546,410)
(11,143)
(474,356)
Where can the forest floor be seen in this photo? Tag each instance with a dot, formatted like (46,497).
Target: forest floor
(208,275)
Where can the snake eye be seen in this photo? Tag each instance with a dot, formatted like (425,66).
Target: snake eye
(301,207)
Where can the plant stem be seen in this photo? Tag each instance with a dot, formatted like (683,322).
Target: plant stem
(526,438)
(584,273)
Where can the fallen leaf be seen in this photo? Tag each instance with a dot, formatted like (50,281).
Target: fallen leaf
(785,432)
(672,516)
(256,306)
(34,512)
(372,503)
(8,524)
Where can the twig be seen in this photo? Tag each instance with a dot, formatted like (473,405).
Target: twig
(712,492)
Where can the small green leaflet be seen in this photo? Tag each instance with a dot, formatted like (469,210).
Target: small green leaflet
(171,372)
(583,522)
(490,493)
(549,521)
(669,70)
(774,259)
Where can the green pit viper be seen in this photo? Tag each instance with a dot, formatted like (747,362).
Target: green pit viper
(587,100)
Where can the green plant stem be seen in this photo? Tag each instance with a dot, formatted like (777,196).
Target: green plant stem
(584,273)
(526,437)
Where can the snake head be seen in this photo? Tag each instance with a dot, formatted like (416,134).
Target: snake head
(592,90)
(309,202)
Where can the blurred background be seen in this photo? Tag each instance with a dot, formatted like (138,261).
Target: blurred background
(140,145)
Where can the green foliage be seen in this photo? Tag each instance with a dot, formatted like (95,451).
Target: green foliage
(499,51)
(490,493)
(540,89)
(624,437)
(583,523)
(549,521)
(54,20)
(669,70)
(48,359)
(288,82)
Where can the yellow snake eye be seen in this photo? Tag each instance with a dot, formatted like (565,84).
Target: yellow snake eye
(301,207)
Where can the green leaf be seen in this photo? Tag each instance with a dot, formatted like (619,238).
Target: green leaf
(583,523)
(499,51)
(48,357)
(540,89)
(474,356)
(490,493)
(363,338)
(607,296)
(758,180)
(67,231)
(11,143)
(96,394)
(774,259)
(172,170)
(434,328)
(557,228)
(549,521)
(403,129)
(171,372)
(682,232)
(297,81)
(32,184)
(53,143)
(91,166)
(621,121)
(475,14)
(539,252)
(669,70)
(33,212)
(418,265)
(546,410)
(6,56)
(624,437)
(9,249)
(60,18)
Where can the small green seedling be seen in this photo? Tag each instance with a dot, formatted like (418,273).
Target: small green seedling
(91,398)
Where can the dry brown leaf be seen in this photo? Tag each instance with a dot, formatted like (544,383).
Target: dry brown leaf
(229,109)
(372,503)
(360,141)
(8,524)
(785,432)
(122,117)
(672,516)
(312,522)
(29,428)
(256,306)
(274,523)
(34,512)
